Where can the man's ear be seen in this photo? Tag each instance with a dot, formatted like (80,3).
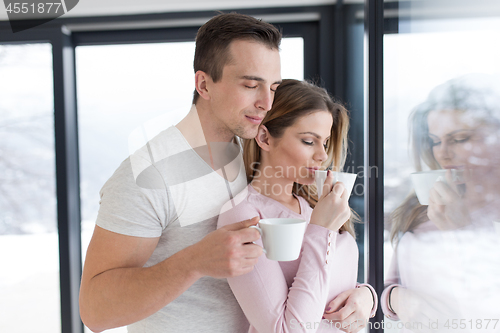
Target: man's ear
(201,81)
(263,138)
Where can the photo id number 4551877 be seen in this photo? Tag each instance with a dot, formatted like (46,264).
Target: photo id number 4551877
(40,8)
(477,324)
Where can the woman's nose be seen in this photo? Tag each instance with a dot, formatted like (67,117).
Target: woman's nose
(321,154)
(445,151)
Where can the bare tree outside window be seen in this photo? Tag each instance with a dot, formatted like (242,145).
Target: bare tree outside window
(29,257)
(27,199)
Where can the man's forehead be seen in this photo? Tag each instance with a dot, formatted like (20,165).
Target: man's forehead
(244,49)
(250,63)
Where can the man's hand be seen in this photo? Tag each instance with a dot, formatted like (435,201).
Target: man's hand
(228,251)
(350,310)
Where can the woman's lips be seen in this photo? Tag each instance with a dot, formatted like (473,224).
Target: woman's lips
(453,167)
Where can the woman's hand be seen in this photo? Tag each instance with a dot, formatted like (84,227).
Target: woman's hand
(332,209)
(350,310)
(423,312)
(447,207)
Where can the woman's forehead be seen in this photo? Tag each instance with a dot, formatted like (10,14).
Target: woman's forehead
(443,122)
(319,121)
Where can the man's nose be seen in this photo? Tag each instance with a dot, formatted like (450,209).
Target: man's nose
(265,101)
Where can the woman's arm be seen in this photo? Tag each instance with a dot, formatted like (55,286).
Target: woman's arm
(352,308)
(392,281)
(264,296)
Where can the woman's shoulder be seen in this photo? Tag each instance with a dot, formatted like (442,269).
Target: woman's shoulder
(239,208)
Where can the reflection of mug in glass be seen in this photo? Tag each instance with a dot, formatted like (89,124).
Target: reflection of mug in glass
(282,237)
(423,181)
(348,179)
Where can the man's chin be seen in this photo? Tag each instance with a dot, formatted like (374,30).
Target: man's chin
(248,133)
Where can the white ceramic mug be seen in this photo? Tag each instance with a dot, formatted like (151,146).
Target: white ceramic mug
(347,178)
(282,237)
(423,181)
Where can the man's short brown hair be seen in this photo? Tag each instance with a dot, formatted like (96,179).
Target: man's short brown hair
(215,36)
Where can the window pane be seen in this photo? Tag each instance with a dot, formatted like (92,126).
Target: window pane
(441,98)
(29,253)
(292,58)
(121,87)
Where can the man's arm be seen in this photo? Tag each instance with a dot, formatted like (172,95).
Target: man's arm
(116,289)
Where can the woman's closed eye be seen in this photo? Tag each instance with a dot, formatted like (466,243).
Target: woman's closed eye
(451,141)
(310,143)
(461,139)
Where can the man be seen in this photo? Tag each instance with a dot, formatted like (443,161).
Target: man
(155,259)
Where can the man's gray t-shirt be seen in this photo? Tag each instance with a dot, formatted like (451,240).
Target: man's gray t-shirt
(166,190)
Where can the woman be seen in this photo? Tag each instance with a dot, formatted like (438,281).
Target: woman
(443,248)
(303,132)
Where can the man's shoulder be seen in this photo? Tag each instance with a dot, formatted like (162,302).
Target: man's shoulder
(138,170)
(170,141)
(168,148)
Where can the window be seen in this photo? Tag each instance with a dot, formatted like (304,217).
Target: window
(29,252)
(441,78)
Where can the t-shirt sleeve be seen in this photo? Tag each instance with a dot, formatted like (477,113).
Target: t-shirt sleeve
(263,294)
(128,209)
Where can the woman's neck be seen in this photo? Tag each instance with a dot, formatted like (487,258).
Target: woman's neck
(270,181)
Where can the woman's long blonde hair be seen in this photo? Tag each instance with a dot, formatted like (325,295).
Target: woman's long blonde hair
(295,99)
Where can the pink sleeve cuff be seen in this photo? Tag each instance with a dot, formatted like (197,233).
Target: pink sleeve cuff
(374,295)
(384,302)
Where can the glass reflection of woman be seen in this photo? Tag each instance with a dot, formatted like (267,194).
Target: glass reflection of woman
(445,248)
(304,131)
